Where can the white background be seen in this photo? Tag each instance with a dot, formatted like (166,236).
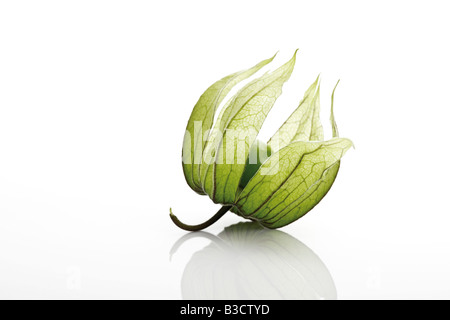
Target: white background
(94,100)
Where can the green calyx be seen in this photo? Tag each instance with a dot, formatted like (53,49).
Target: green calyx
(274,183)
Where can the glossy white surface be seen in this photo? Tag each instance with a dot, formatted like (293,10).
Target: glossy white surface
(94,100)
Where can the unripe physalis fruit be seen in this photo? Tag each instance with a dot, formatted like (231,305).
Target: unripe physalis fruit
(274,183)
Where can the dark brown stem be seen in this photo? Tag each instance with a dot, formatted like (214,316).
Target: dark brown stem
(203,225)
